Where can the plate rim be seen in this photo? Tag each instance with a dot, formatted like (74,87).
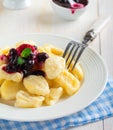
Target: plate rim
(69,113)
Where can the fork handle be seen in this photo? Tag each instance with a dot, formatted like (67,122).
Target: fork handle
(95,29)
(100,24)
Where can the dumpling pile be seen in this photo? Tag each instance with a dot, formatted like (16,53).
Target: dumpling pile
(33,76)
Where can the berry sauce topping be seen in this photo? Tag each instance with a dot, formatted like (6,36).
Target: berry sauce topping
(41,57)
(26,59)
(24,46)
(3,57)
(39,72)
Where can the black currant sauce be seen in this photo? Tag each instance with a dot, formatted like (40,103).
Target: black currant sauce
(26,59)
(65,3)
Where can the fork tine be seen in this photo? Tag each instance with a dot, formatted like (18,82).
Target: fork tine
(78,56)
(73,56)
(75,49)
(70,52)
(67,48)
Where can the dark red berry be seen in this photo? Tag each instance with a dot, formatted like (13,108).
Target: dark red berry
(41,57)
(4,57)
(12,56)
(23,46)
(13,51)
(10,68)
(29,63)
(32,56)
(13,60)
(35,47)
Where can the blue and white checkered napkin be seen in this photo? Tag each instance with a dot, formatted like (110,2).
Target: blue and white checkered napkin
(98,110)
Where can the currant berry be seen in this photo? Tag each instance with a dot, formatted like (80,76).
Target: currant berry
(41,57)
(13,52)
(12,56)
(10,68)
(23,46)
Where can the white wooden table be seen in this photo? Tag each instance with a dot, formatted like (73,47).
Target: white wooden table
(39,18)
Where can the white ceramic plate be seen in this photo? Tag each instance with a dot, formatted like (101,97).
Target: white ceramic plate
(94,82)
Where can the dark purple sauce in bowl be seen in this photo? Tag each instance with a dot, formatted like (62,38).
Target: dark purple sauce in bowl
(65,10)
(65,3)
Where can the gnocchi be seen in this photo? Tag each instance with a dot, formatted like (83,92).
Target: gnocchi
(54,95)
(25,100)
(9,89)
(34,76)
(36,85)
(54,66)
(17,77)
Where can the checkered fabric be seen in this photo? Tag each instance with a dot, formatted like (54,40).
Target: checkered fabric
(98,110)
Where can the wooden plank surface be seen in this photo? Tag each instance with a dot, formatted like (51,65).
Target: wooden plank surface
(92,126)
(40,18)
(106,38)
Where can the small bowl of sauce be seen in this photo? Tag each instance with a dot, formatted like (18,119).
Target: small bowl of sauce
(69,9)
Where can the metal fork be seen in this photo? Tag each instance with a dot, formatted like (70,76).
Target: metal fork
(74,50)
